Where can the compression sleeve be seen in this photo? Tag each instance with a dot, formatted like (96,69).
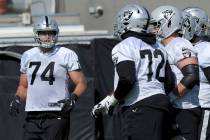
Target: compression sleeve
(127,77)
(191,75)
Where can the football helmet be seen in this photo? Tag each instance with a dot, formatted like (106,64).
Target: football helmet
(208,28)
(131,18)
(188,25)
(201,19)
(46,23)
(167,19)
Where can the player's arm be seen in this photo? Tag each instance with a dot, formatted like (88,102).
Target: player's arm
(20,95)
(190,70)
(22,87)
(127,77)
(79,80)
(169,81)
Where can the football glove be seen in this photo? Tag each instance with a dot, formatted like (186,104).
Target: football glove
(68,103)
(14,107)
(104,106)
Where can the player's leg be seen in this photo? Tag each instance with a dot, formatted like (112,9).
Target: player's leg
(143,123)
(31,128)
(188,122)
(204,128)
(56,128)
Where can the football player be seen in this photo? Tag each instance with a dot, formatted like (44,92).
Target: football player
(44,79)
(167,21)
(140,64)
(202,48)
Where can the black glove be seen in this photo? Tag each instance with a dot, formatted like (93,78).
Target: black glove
(68,103)
(14,106)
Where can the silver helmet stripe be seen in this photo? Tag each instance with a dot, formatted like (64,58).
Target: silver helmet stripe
(46,19)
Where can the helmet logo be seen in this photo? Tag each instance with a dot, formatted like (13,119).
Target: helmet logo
(186,52)
(127,15)
(167,14)
(186,21)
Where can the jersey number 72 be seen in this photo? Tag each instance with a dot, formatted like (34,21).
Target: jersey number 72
(160,65)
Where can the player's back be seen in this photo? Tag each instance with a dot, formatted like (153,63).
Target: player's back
(150,63)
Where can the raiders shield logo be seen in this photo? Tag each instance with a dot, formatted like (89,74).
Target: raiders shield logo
(168,14)
(186,52)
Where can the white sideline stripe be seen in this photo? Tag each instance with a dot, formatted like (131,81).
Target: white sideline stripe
(205,125)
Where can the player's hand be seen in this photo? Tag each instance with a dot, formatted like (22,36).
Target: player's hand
(104,106)
(68,103)
(14,107)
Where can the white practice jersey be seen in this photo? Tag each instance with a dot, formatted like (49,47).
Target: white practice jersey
(47,75)
(179,49)
(203,50)
(149,63)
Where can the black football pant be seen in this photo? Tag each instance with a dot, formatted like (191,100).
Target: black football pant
(46,126)
(188,121)
(204,129)
(144,123)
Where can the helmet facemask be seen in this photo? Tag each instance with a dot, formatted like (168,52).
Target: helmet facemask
(46,41)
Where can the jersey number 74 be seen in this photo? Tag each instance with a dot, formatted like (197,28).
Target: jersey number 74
(44,77)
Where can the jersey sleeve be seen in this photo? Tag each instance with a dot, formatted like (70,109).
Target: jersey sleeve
(204,59)
(121,53)
(183,51)
(72,61)
(23,63)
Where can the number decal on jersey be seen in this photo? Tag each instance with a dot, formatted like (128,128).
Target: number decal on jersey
(44,76)
(156,53)
(37,65)
(143,54)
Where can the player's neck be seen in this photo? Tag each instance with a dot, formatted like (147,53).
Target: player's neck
(45,50)
(167,40)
